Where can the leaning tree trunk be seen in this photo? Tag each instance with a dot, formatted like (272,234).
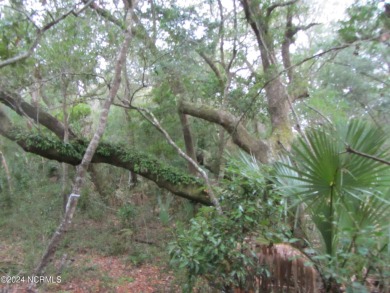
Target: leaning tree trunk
(82,168)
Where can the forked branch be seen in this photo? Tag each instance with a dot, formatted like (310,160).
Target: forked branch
(276,5)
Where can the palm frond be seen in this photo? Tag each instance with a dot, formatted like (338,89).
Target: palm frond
(338,188)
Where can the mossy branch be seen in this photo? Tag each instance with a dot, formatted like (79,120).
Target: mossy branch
(165,176)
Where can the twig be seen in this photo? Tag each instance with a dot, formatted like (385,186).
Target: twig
(353,151)
(319,113)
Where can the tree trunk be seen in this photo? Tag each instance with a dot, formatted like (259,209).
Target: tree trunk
(276,92)
(190,151)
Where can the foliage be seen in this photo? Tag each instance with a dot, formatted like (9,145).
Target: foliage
(15,34)
(346,195)
(215,247)
(126,214)
(367,20)
(69,72)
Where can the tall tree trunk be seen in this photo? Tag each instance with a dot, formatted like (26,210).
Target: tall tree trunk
(276,92)
(82,168)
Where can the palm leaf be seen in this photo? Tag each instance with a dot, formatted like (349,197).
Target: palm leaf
(340,189)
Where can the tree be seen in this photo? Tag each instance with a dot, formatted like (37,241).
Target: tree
(278,100)
(230,65)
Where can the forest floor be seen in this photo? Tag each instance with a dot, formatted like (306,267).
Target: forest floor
(100,257)
(91,272)
(97,273)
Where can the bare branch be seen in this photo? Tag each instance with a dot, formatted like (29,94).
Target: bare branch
(306,27)
(235,37)
(240,135)
(363,73)
(221,33)
(319,113)
(142,35)
(23,55)
(353,151)
(23,108)
(213,67)
(106,14)
(153,120)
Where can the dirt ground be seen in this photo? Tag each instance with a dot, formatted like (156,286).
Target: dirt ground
(105,274)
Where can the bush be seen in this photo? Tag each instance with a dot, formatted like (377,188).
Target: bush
(214,247)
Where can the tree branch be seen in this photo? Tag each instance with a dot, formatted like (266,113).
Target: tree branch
(305,27)
(213,68)
(192,191)
(231,124)
(353,151)
(319,113)
(164,176)
(39,116)
(88,155)
(276,5)
(108,16)
(288,40)
(6,169)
